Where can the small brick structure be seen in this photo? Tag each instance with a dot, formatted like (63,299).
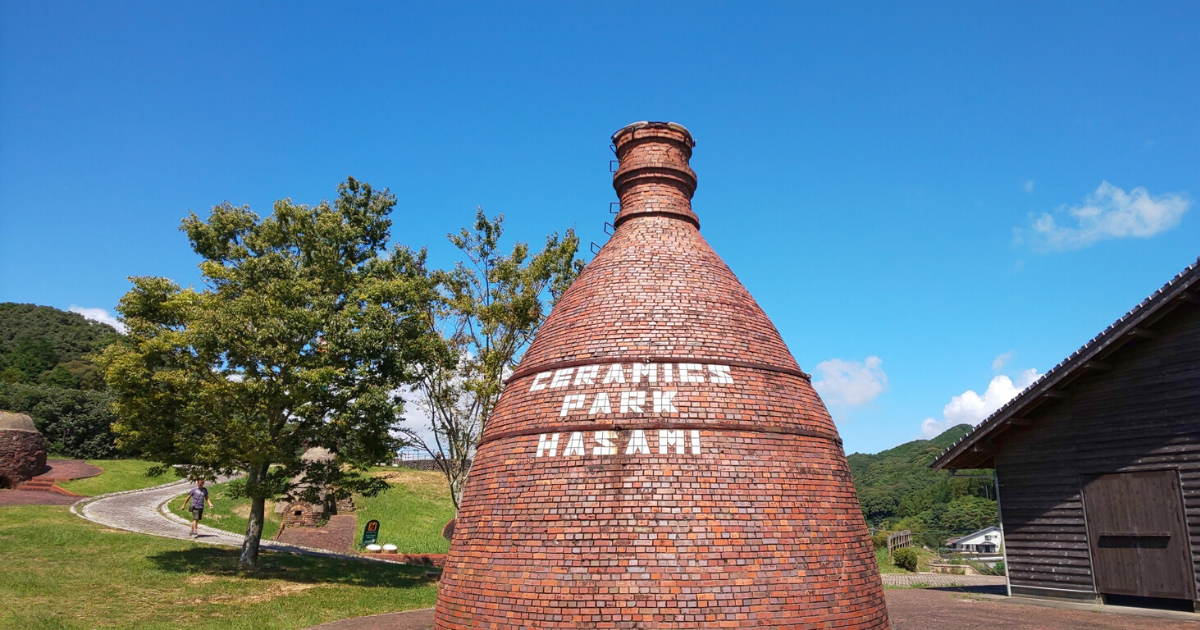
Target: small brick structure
(22,449)
(305,514)
(658,459)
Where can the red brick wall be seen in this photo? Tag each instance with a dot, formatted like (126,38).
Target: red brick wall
(22,456)
(737,509)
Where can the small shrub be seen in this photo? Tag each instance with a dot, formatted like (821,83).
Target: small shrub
(905,558)
(880,540)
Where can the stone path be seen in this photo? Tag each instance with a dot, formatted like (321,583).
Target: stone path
(940,580)
(144,511)
(138,511)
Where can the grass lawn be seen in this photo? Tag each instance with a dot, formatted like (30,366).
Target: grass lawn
(118,475)
(412,513)
(924,557)
(228,514)
(64,573)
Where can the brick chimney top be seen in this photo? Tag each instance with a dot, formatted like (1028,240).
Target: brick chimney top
(654,177)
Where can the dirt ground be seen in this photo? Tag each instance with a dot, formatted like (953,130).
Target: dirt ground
(909,609)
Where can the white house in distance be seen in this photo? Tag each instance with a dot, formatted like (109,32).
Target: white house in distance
(986,540)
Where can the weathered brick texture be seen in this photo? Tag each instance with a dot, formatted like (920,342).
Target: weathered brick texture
(658,459)
(22,449)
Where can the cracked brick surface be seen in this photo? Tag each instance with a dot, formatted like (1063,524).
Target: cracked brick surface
(658,459)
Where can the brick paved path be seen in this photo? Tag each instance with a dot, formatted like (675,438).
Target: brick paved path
(337,536)
(938,580)
(909,609)
(64,469)
(24,497)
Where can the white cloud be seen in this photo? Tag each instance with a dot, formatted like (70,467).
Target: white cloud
(1029,185)
(850,382)
(1002,360)
(98,315)
(971,408)
(1107,213)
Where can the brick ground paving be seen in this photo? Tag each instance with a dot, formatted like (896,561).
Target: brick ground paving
(64,469)
(918,609)
(23,497)
(337,535)
(908,580)
(910,609)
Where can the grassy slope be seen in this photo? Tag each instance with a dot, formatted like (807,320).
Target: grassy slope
(118,475)
(924,557)
(412,513)
(62,573)
(226,513)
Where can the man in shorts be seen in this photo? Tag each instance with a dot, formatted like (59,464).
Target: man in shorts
(195,500)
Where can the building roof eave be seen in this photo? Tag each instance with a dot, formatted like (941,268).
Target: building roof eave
(976,449)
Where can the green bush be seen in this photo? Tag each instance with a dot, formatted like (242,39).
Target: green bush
(76,423)
(905,558)
(879,540)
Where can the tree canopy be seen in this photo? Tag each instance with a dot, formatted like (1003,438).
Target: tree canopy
(482,316)
(302,336)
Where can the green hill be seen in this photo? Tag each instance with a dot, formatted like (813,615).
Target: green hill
(898,490)
(45,372)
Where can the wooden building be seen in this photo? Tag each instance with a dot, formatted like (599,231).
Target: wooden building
(1098,462)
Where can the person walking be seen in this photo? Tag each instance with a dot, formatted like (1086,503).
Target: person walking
(195,499)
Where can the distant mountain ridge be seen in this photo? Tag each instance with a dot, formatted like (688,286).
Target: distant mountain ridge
(45,372)
(897,488)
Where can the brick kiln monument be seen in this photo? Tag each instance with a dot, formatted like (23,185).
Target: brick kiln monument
(22,449)
(658,459)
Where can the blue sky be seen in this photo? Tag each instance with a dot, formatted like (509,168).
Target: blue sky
(926,201)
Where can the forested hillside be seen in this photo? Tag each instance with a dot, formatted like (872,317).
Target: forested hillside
(45,372)
(898,490)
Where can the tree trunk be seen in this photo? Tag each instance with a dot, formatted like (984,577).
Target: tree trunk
(248,561)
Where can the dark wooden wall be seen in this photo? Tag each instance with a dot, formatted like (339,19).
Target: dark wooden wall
(1143,414)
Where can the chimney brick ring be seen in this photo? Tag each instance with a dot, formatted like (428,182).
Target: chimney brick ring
(654,176)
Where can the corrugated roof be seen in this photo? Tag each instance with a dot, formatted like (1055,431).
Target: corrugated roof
(1046,382)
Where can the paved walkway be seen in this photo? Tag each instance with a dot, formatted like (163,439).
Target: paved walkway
(917,609)
(144,512)
(138,511)
(25,497)
(940,580)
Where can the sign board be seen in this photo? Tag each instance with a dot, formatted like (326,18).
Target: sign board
(370,533)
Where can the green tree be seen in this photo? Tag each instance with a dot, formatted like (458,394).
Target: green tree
(75,422)
(484,315)
(302,337)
